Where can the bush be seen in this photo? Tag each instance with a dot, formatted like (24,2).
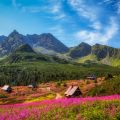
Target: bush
(3,96)
(58,83)
(87,82)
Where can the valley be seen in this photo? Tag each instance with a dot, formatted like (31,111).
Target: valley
(46,91)
(39,74)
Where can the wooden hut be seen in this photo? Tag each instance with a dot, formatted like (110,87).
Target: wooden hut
(91,77)
(32,86)
(7,88)
(73,91)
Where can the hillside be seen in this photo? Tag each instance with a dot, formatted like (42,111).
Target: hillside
(108,87)
(22,73)
(25,53)
(96,54)
(80,51)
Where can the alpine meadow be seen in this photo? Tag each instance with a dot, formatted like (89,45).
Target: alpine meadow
(60,60)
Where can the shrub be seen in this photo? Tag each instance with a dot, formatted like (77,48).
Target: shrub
(3,96)
(58,83)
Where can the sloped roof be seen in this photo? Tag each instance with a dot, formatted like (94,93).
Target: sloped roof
(5,87)
(68,90)
(31,86)
(71,90)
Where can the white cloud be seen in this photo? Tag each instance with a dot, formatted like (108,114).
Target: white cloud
(58,30)
(96,36)
(96,25)
(60,16)
(55,8)
(108,1)
(118,7)
(83,9)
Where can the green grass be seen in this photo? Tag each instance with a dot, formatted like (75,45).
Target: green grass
(115,62)
(89,57)
(92,58)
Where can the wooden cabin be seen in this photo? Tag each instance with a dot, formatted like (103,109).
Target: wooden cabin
(7,88)
(91,77)
(73,91)
(32,86)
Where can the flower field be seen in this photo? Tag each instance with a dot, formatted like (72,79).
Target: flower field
(89,108)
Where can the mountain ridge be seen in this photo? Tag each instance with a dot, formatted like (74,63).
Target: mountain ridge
(46,40)
(46,43)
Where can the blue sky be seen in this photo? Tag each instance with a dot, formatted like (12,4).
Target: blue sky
(71,21)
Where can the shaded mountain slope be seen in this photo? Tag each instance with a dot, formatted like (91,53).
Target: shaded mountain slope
(81,50)
(47,41)
(26,54)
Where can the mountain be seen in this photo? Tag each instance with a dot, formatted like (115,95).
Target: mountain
(13,41)
(2,38)
(25,53)
(48,42)
(80,51)
(25,48)
(44,42)
(96,53)
(103,51)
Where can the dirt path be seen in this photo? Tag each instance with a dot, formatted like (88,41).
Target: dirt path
(58,96)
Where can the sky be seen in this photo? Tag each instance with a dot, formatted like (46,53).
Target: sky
(71,21)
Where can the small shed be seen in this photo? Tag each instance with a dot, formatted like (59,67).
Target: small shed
(31,86)
(7,88)
(91,77)
(73,91)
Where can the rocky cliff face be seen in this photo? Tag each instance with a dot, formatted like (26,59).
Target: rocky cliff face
(47,41)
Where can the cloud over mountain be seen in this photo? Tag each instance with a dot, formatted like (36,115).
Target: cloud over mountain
(96,20)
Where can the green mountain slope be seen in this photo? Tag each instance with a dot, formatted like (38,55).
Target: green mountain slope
(97,54)
(24,66)
(26,54)
(108,87)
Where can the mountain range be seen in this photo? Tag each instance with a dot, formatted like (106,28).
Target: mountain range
(46,43)
(40,43)
(97,53)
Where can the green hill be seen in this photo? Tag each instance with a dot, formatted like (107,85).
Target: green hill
(80,51)
(97,53)
(26,54)
(108,87)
